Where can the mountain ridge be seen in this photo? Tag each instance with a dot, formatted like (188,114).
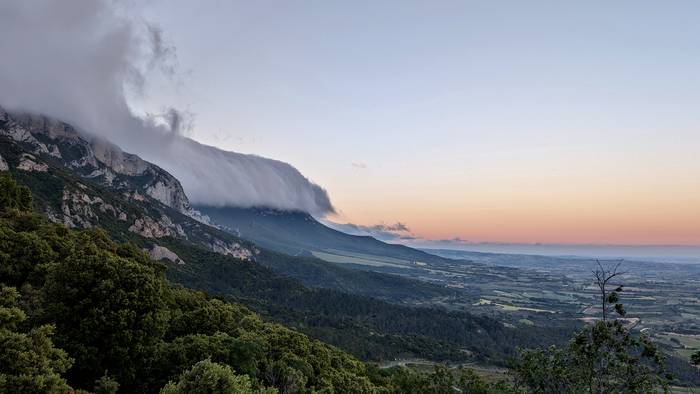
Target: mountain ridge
(101,161)
(95,158)
(299,233)
(70,195)
(372,315)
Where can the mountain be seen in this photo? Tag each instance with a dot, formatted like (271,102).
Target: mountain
(298,233)
(136,180)
(93,158)
(83,182)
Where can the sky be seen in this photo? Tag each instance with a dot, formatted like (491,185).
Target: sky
(479,121)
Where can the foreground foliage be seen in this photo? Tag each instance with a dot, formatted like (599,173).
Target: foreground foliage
(78,311)
(117,317)
(606,357)
(30,362)
(370,315)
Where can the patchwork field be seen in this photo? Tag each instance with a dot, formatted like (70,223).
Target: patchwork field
(661,299)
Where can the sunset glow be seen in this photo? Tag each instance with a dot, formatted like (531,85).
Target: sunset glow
(527,123)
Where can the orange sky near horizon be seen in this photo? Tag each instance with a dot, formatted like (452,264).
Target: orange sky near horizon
(555,218)
(577,123)
(644,199)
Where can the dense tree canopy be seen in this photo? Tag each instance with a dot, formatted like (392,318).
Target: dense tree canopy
(30,362)
(116,315)
(605,357)
(207,377)
(78,310)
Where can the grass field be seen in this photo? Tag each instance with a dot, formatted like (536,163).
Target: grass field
(362,260)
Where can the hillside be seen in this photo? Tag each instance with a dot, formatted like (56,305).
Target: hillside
(59,270)
(83,312)
(298,233)
(79,311)
(203,257)
(66,173)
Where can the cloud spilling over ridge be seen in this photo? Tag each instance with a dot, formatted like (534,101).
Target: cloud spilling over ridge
(79,60)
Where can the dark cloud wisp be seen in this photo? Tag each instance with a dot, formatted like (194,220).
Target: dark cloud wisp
(384,232)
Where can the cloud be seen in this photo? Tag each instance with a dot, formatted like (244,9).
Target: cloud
(177,121)
(385,232)
(164,55)
(79,61)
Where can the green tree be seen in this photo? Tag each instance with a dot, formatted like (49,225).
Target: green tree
(106,385)
(441,380)
(207,377)
(605,357)
(109,309)
(469,382)
(172,358)
(30,362)
(13,196)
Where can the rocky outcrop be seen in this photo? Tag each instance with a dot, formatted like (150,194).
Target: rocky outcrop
(80,210)
(94,158)
(158,253)
(21,134)
(3,165)
(149,228)
(28,162)
(168,191)
(232,249)
(117,160)
(144,189)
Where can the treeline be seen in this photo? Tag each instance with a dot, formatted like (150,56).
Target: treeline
(314,272)
(80,313)
(369,328)
(346,314)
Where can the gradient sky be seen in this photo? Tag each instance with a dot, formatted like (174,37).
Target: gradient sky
(512,121)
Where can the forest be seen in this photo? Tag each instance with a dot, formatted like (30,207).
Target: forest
(81,313)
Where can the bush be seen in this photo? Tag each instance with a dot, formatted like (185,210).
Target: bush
(207,377)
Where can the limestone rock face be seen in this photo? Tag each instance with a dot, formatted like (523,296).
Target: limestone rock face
(92,182)
(232,249)
(94,158)
(3,165)
(27,163)
(169,192)
(79,210)
(150,228)
(162,253)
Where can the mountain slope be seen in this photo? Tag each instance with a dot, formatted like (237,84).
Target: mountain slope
(94,158)
(299,233)
(127,206)
(203,257)
(367,327)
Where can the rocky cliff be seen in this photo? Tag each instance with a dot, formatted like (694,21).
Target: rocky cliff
(83,181)
(94,158)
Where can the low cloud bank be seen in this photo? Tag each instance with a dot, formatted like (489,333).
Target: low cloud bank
(79,60)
